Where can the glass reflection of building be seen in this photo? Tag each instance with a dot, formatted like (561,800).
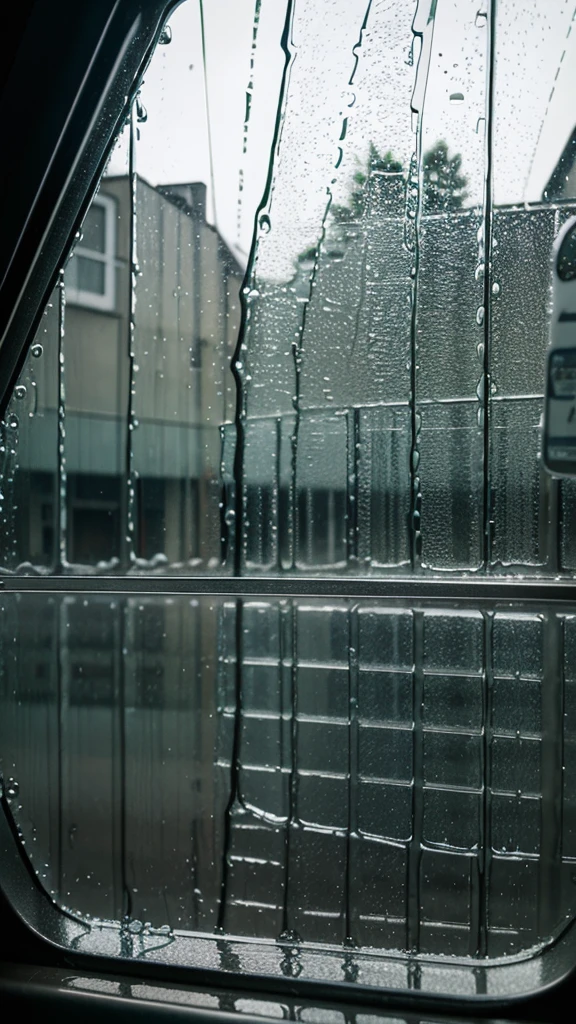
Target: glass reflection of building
(186,316)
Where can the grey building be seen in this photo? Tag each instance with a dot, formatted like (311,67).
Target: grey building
(144,388)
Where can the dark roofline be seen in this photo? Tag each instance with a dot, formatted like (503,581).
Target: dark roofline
(232,264)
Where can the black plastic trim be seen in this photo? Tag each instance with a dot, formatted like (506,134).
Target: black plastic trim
(463,588)
(66,95)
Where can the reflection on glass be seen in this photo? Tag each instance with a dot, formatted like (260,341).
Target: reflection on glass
(94,229)
(302,332)
(360,802)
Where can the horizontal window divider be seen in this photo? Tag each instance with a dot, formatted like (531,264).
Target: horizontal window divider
(471,591)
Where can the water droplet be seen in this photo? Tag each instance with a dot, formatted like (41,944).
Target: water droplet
(36,351)
(165,36)
(480,315)
(135,927)
(12,789)
(457,97)
(13,421)
(20,392)
(265,223)
(495,288)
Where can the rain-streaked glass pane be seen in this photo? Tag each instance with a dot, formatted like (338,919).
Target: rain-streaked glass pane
(332,234)
(94,229)
(331,298)
(370,795)
(90,275)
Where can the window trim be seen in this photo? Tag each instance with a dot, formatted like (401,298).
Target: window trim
(81,296)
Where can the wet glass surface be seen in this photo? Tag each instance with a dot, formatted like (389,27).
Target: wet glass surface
(322,771)
(325,353)
(303,333)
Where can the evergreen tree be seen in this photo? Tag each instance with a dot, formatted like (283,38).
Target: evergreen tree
(387,164)
(444,185)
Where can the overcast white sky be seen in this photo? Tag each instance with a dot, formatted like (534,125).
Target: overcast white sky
(535,109)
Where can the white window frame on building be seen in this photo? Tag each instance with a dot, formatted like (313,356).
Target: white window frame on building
(105,301)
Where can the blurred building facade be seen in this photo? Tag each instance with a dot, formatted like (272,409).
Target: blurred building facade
(145,385)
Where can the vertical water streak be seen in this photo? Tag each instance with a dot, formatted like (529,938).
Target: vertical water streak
(415,848)
(128,524)
(352,488)
(551,497)
(353,769)
(9,444)
(208,118)
(226,547)
(298,358)
(124,609)
(60,532)
(482,916)
(423,30)
(118,758)
(289,651)
(249,95)
(487,246)
(356,49)
(234,792)
(275,515)
(61,639)
(551,776)
(245,302)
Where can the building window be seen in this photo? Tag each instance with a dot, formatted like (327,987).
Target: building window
(91,272)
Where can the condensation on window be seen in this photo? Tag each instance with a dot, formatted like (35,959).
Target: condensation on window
(309,342)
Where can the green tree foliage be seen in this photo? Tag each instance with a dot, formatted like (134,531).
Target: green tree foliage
(444,184)
(444,187)
(387,164)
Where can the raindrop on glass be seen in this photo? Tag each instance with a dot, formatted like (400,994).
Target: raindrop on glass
(12,789)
